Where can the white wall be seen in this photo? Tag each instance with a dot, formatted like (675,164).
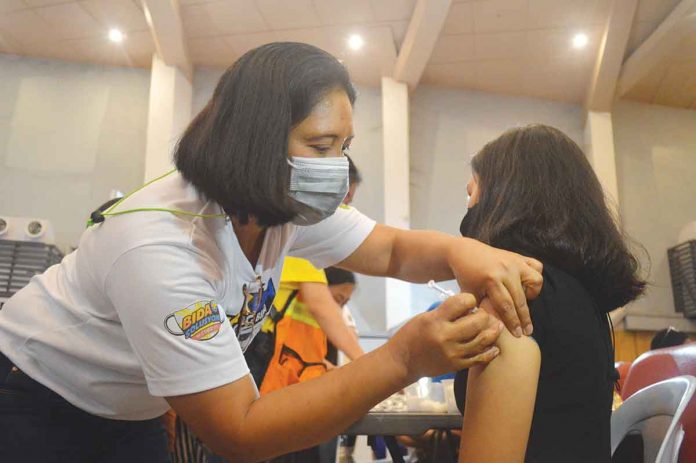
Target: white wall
(656,167)
(366,150)
(91,122)
(448,127)
(69,134)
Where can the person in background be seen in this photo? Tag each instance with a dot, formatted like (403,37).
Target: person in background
(549,396)
(354,180)
(341,285)
(300,343)
(669,337)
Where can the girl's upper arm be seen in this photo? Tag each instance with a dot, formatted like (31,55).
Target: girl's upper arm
(500,402)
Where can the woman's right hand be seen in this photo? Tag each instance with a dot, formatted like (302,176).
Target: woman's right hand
(447,339)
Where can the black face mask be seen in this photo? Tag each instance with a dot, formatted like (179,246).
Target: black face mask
(467,220)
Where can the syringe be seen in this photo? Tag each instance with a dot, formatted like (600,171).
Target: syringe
(445,293)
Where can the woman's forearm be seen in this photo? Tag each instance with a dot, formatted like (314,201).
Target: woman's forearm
(307,413)
(421,255)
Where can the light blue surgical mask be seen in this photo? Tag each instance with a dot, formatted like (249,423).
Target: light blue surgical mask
(319,185)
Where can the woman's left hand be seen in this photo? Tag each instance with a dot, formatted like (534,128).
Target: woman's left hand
(506,278)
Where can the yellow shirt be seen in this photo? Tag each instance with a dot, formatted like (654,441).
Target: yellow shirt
(295,271)
(300,344)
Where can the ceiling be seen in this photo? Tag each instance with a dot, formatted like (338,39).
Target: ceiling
(516,47)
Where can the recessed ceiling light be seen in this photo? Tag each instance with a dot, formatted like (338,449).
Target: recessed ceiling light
(580,40)
(356,42)
(116,35)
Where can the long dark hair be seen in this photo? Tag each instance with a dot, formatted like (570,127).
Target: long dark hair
(540,197)
(235,150)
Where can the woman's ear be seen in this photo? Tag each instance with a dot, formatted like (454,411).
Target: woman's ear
(473,189)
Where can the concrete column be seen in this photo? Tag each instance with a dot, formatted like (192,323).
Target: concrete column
(169,113)
(397,202)
(599,147)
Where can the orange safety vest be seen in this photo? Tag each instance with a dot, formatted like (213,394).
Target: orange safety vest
(299,343)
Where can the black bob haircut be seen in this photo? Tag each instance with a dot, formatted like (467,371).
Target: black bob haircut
(338,276)
(540,197)
(235,151)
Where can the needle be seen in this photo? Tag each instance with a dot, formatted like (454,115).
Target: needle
(445,292)
(440,289)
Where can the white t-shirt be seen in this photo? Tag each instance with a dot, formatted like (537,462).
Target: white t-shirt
(138,312)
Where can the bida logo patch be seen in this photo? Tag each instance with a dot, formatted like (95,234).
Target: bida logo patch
(199,321)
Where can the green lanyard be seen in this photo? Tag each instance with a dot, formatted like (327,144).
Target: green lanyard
(98,217)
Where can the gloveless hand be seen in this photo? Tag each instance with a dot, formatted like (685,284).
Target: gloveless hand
(506,278)
(446,339)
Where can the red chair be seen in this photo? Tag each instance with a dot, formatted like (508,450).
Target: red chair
(622,368)
(661,364)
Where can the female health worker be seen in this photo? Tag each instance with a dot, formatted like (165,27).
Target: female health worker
(168,288)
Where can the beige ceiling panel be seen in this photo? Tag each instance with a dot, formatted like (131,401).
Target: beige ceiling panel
(367,65)
(61,49)
(192,2)
(678,87)
(197,22)
(458,75)
(393,10)
(71,21)
(500,76)
(7,6)
(654,10)
(211,51)
(378,48)
(123,14)
(290,14)
(101,50)
(399,29)
(374,60)
(500,45)
(500,15)
(245,42)
(342,12)
(453,48)
(26,27)
(34,3)
(222,18)
(460,19)
(235,16)
(547,44)
(567,13)
(323,38)
(561,80)
(9,44)
(140,47)
(555,44)
(639,32)
(686,52)
(645,90)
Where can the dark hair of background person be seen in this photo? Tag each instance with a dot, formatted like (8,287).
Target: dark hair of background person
(540,197)
(338,276)
(353,172)
(668,337)
(235,150)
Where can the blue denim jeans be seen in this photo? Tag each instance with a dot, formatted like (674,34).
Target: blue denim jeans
(39,426)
